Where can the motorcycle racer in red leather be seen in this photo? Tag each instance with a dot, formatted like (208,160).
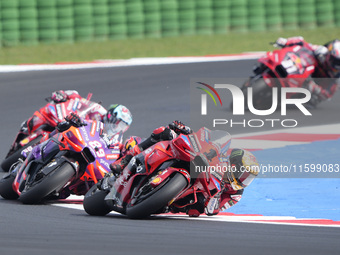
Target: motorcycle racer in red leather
(328,58)
(57,97)
(234,181)
(116,121)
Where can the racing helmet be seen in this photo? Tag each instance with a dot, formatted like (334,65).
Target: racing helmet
(59,96)
(129,143)
(333,57)
(243,169)
(117,119)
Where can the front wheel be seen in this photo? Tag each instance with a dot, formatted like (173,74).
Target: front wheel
(262,94)
(6,189)
(156,199)
(45,185)
(94,202)
(11,159)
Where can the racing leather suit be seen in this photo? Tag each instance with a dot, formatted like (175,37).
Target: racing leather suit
(321,89)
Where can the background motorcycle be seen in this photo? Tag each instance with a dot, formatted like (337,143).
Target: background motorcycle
(286,67)
(69,162)
(163,175)
(45,121)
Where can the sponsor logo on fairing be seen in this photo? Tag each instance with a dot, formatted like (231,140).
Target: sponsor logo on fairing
(194,143)
(93,128)
(59,112)
(84,131)
(76,103)
(79,135)
(212,205)
(217,184)
(52,110)
(70,104)
(217,175)
(103,162)
(111,156)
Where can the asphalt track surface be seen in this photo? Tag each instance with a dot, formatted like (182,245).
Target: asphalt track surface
(156,95)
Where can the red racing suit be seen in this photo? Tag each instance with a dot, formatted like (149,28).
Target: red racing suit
(34,122)
(323,89)
(222,201)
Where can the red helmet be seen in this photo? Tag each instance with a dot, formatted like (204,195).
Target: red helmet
(333,57)
(59,96)
(130,143)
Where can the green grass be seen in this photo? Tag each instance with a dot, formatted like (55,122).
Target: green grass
(163,47)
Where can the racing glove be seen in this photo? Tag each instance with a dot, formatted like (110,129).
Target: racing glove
(75,120)
(160,134)
(179,128)
(70,120)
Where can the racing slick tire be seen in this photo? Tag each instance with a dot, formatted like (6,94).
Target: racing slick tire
(6,189)
(157,198)
(262,94)
(94,202)
(41,188)
(11,159)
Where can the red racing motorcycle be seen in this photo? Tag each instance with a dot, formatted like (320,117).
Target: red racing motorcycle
(286,67)
(167,177)
(45,121)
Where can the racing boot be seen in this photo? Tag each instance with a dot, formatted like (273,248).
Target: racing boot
(118,166)
(193,213)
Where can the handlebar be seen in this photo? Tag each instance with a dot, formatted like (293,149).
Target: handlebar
(211,154)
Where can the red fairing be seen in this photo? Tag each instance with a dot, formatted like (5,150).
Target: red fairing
(149,161)
(292,65)
(37,120)
(74,95)
(182,148)
(145,171)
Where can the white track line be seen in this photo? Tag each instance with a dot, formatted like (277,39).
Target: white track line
(223,218)
(128,62)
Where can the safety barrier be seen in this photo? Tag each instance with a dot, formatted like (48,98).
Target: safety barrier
(44,21)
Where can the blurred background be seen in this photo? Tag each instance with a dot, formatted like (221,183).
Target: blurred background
(47,31)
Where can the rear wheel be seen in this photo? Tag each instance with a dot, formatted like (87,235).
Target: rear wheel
(45,185)
(11,159)
(152,201)
(6,189)
(262,94)
(94,202)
